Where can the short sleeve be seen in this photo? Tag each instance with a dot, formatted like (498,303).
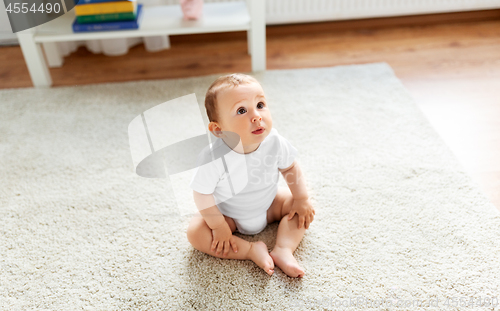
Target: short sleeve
(205,178)
(287,153)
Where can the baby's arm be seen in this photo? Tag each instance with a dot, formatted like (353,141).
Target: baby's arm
(301,204)
(221,232)
(206,205)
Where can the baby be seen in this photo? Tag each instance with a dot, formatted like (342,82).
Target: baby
(236,104)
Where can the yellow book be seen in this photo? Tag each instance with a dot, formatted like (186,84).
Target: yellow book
(106,7)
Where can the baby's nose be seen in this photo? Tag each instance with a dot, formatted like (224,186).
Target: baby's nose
(257,118)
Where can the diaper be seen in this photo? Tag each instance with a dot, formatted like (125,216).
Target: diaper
(253,225)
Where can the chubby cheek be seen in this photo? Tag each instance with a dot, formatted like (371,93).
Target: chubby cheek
(241,129)
(268,120)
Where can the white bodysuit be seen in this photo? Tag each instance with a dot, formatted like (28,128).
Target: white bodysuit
(244,185)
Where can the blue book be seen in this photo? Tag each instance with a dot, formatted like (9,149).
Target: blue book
(79,2)
(109,26)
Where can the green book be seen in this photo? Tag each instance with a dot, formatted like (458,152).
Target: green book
(99,18)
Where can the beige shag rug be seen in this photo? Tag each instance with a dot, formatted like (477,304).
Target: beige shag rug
(397,218)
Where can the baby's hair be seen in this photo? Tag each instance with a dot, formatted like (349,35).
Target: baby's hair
(222,83)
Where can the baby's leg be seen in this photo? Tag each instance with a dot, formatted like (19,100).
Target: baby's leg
(200,236)
(287,240)
(289,235)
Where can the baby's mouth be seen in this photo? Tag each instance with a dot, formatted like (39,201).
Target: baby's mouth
(260,130)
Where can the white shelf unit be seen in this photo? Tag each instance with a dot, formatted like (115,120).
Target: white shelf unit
(246,15)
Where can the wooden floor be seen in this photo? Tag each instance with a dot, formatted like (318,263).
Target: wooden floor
(450,63)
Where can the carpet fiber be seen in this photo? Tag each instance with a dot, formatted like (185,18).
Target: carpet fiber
(397,218)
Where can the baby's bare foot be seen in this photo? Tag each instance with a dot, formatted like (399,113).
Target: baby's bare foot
(259,254)
(286,262)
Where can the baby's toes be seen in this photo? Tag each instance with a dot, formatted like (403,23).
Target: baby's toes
(298,272)
(293,269)
(269,266)
(260,255)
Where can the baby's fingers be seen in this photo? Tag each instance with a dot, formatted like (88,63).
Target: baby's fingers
(302,219)
(233,244)
(226,248)
(308,221)
(220,248)
(214,245)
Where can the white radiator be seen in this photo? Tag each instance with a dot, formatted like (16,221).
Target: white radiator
(292,11)
(299,11)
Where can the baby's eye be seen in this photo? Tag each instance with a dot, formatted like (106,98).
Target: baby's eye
(260,105)
(241,110)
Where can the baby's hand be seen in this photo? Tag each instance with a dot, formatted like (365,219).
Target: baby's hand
(304,209)
(223,240)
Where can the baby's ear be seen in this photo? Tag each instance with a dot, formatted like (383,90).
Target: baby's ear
(215,129)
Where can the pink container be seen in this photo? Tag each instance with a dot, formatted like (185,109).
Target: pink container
(192,9)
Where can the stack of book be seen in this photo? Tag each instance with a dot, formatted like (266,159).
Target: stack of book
(106,15)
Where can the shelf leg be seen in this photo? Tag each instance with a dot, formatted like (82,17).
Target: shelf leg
(167,42)
(33,56)
(257,34)
(53,55)
(249,41)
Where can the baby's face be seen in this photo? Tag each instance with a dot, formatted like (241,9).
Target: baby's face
(244,110)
